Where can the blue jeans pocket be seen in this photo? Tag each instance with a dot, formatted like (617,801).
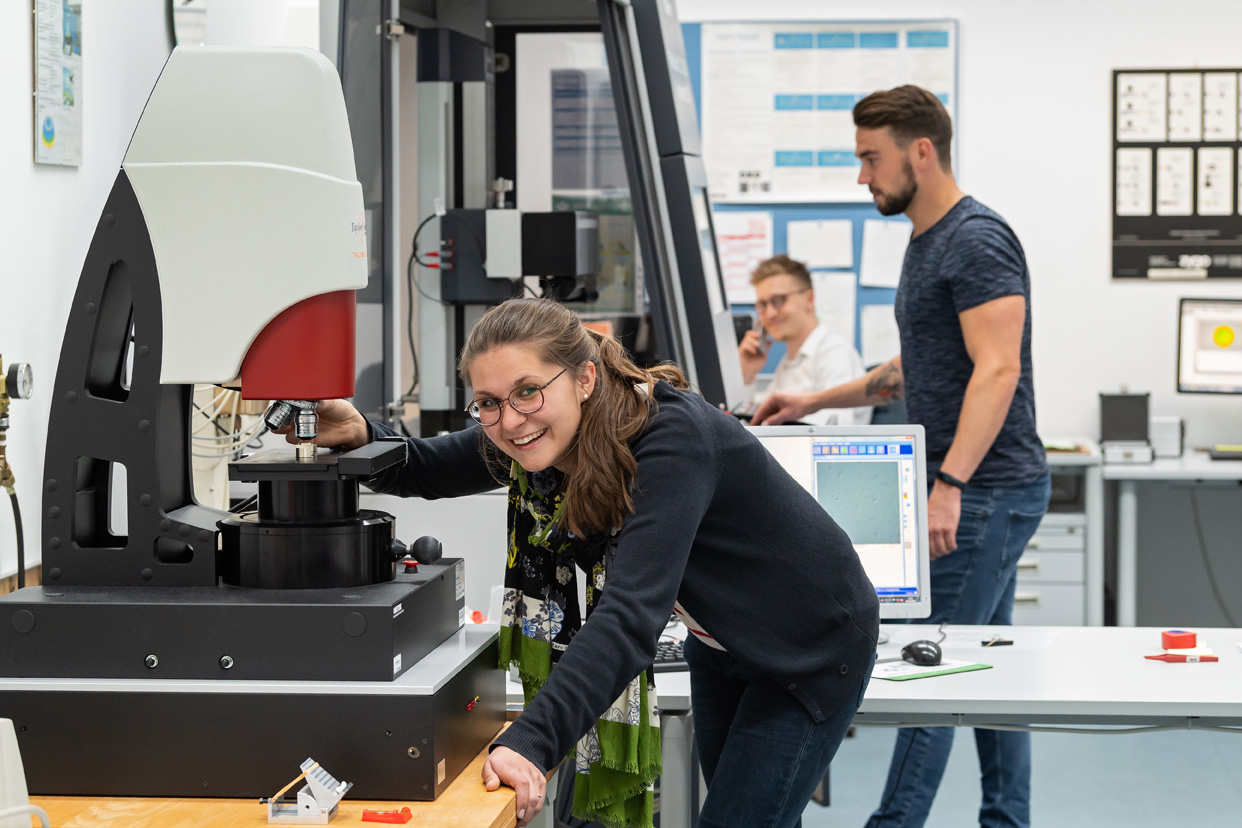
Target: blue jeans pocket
(1019,530)
(971,526)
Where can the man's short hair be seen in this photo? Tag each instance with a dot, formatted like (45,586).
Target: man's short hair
(911,112)
(778,265)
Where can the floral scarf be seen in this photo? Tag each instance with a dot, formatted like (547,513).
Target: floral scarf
(618,760)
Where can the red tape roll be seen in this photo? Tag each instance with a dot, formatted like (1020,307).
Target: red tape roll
(1177,640)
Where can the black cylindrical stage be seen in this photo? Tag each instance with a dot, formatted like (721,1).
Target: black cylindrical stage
(299,555)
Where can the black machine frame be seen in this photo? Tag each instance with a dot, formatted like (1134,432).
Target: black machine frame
(660,144)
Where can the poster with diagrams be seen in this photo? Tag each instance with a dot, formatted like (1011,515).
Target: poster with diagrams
(1177,192)
(58,82)
(778,98)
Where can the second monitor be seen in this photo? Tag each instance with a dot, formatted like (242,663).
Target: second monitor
(1209,346)
(872,480)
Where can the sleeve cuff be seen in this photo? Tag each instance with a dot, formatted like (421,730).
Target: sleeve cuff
(530,744)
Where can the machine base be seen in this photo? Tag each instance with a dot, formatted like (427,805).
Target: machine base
(366,633)
(404,740)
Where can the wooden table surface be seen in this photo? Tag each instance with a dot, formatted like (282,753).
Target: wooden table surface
(464,804)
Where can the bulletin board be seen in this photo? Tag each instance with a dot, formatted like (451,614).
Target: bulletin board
(1177,170)
(776,100)
(871,303)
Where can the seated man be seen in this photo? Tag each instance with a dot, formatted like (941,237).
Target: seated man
(814,357)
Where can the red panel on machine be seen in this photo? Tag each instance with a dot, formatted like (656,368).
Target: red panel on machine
(305,353)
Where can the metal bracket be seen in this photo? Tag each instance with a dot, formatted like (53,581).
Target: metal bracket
(393,29)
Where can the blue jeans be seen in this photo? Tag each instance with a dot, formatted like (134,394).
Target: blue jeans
(761,752)
(974,584)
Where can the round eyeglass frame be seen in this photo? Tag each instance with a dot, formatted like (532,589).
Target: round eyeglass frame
(777,301)
(476,413)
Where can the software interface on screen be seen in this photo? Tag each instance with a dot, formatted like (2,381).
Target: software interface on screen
(870,487)
(1209,354)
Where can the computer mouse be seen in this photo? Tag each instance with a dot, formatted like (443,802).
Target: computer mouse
(923,653)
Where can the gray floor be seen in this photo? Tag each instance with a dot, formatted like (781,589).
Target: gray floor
(1173,778)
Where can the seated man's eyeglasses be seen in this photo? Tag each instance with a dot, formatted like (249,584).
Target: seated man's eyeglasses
(776,300)
(525,399)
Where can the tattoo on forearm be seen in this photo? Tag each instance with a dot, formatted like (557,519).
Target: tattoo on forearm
(888,382)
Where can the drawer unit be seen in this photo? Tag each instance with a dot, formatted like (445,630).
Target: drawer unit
(1037,566)
(1050,605)
(1060,531)
(1050,589)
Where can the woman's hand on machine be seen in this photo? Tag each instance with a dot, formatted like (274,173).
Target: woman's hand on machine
(340,425)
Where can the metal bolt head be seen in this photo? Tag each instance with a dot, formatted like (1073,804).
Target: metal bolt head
(226,661)
(152,662)
(414,753)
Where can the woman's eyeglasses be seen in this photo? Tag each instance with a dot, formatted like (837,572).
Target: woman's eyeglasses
(777,300)
(526,399)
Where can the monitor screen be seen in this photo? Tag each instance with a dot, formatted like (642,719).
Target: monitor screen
(872,480)
(1209,346)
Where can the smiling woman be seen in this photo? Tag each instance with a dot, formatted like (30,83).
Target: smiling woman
(523,343)
(667,504)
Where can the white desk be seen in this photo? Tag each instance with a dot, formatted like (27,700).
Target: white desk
(1072,676)
(1063,675)
(1193,466)
(1049,675)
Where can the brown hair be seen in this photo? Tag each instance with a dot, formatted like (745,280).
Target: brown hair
(597,491)
(779,264)
(911,112)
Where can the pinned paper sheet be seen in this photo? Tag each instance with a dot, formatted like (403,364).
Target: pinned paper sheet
(880,340)
(836,303)
(883,251)
(743,241)
(821,243)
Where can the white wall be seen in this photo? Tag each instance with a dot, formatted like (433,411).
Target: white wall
(47,214)
(1034,136)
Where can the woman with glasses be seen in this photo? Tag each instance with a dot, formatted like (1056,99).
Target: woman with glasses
(666,503)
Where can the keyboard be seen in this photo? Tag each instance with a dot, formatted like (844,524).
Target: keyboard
(669,657)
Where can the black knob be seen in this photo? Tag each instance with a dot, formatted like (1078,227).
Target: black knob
(427,550)
(399,549)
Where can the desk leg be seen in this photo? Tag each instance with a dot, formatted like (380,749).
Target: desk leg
(677,788)
(1127,553)
(1094,575)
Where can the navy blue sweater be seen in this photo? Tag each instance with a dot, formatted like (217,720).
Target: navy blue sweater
(717,525)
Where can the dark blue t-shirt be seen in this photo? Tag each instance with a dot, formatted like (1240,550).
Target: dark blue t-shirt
(969,257)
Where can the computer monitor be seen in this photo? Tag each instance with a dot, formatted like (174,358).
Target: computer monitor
(1209,346)
(872,480)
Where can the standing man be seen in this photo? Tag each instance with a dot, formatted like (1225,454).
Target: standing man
(963,310)
(814,358)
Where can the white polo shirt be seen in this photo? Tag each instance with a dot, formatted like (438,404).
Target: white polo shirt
(824,360)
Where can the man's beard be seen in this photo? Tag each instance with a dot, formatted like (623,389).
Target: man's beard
(892,205)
